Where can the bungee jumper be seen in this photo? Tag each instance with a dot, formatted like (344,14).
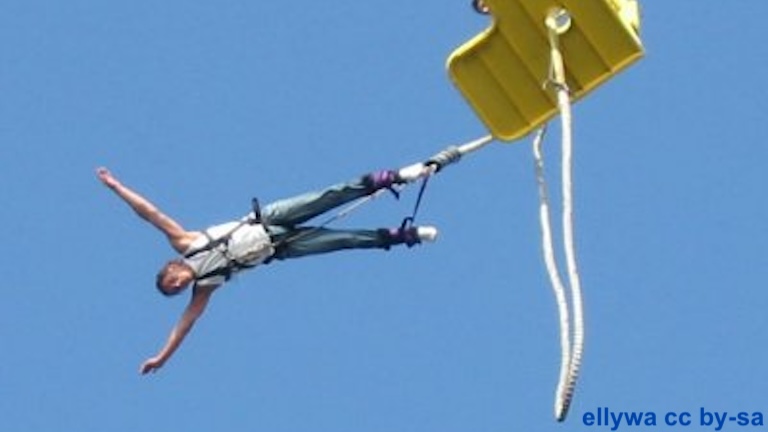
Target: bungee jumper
(209,258)
(535,59)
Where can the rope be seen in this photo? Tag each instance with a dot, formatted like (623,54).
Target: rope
(552,269)
(475,145)
(570,254)
(453,154)
(559,22)
(572,344)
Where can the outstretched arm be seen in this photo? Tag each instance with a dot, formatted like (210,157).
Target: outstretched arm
(194,310)
(179,238)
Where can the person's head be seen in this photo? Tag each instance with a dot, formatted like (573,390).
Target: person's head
(480,7)
(174,277)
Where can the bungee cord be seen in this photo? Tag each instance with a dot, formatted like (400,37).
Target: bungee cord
(557,23)
(550,262)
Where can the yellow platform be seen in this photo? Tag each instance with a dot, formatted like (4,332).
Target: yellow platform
(501,71)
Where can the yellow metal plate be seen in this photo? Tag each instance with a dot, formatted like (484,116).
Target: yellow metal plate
(502,70)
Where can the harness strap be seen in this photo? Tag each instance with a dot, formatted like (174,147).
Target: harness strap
(256,207)
(232,264)
(210,244)
(393,191)
(409,220)
(231,267)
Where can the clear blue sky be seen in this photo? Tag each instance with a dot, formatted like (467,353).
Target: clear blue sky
(201,105)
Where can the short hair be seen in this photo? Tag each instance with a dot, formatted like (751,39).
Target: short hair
(171,265)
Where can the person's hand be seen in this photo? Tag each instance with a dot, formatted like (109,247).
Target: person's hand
(151,365)
(107,178)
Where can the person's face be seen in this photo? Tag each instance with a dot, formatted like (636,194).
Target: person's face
(176,279)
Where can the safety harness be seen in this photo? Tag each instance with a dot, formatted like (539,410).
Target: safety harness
(233,265)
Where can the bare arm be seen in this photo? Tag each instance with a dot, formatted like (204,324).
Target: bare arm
(178,237)
(194,310)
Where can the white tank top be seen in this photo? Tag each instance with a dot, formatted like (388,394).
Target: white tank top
(249,245)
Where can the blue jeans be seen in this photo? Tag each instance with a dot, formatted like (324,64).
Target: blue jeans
(283,220)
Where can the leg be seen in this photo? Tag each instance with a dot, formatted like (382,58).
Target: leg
(311,241)
(299,209)
(295,243)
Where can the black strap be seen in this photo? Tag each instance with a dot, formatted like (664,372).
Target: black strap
(213,243)
(409,220)
(394,191)
(232,264)
(256,211)
(210,245)
(230,268)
